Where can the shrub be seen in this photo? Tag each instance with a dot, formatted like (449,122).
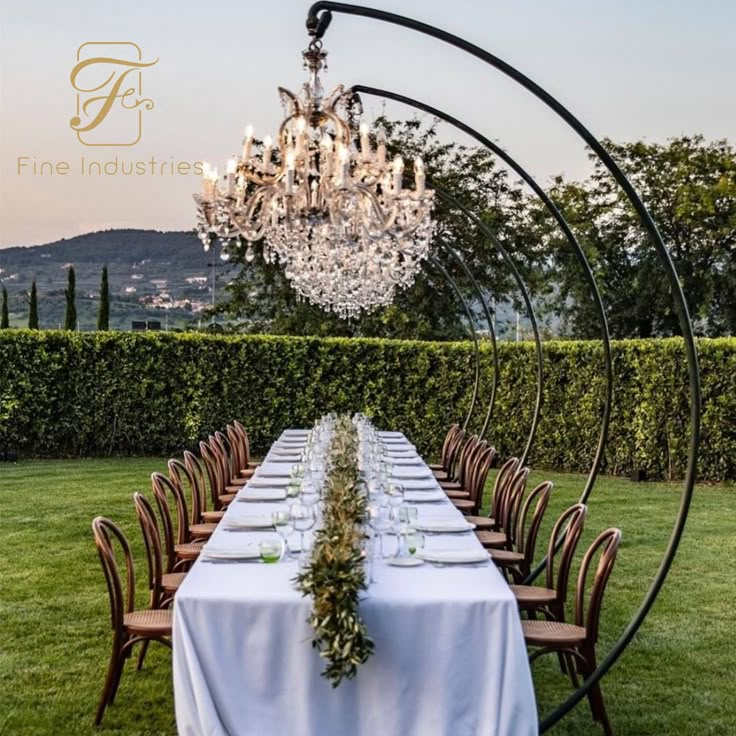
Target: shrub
(64,393)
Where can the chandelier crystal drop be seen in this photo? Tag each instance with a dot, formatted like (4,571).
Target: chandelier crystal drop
(326,202)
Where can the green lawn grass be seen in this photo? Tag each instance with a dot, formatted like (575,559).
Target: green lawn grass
(676,678)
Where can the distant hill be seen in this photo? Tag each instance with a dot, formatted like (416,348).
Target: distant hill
(153,276)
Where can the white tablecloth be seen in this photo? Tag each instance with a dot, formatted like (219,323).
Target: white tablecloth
(449,653)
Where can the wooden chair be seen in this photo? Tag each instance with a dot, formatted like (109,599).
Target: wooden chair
(578,640)
(215,476)
(551,599)
(503,478)
(508,509)
(180,549)
(130,627)
(248,464)
(460,488)
(476,481)
(161,585)
(442,470)
(179,474)
(197,477)
(220,446)
(518,562)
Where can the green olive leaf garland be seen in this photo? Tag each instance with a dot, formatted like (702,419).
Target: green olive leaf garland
(336,574)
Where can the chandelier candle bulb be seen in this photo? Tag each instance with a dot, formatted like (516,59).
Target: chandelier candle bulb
(232,167)
(247,143)
(267,145)
(365,144)
(419,175)
(398,169)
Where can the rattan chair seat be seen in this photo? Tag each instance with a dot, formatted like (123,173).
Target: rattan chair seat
(552,633)
(202,531)
(505,557)
(171,581)
(458,494)
(491,539)
(481,522)
(188,550)
(436,466)
(212,517)
(463,504)
(239,482)
(533,596)
(451,485)
(152,622)
(226,498)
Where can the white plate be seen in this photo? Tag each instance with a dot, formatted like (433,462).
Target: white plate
(451,526)
(272,483)
(424,496)
(404,561)
(230,553)
(400,473)
(455,556)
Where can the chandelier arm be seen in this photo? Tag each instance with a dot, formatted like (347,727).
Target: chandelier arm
(471,321)
(321,22)
(491,331)
(536,415)
(579,254)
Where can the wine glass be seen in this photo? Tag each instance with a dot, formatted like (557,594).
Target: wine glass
(284,526)
(379,517)
(302,518)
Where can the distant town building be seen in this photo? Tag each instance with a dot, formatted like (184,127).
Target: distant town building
(130,290)
(197,280)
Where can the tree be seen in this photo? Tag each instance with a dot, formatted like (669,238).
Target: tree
(689,186)
(5,317)
(70,318)
(103,316)
(261,299)
(33,308)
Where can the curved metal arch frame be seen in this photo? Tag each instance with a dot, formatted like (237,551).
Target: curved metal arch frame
(474,333)
(317,25)
(488,233)
(577,249)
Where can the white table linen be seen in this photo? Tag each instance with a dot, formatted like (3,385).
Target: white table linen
(449,653)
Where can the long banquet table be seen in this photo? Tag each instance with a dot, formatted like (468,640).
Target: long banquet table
(449,654)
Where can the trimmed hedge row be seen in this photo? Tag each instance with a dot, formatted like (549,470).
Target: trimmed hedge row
(65,393)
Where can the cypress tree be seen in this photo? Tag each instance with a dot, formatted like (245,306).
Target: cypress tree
(70,319)
(33,310)
(103,316)
(5,317)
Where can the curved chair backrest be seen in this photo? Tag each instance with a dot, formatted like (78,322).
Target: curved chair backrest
(198,475)
(453,456)
(526,538)
(466,459)
(229,452)
(511,503)
(162,489)
(214,472)
(608,542)
(221,452)
(245,440)
(152,541)
(239,463)
(447,446)
(121,601)
(179,473)
(570,524)
(483,462)
(504,476)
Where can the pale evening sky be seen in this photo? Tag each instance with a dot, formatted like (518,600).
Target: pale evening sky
(648,69)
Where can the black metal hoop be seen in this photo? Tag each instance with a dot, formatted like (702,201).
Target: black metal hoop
(314,21)
(579,254)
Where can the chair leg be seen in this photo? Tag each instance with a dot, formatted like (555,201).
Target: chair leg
(116,679)
(107,687)
(595,696)
(142,655)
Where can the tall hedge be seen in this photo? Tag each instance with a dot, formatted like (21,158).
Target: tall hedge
(89,394)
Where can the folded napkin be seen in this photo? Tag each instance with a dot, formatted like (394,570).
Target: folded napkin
(261,494)
(230,552)
(401,473)
(409,452)
(424,496)
(247,522)
(418,484)
(439,524)
(404,461)
(274,470)
(258,482)
(454,556)
(387,433)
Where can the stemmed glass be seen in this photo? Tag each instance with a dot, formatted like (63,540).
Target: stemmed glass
(302,518)
(284,526)
(379,517)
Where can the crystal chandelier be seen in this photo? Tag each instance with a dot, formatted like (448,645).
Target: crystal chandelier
(325,201)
